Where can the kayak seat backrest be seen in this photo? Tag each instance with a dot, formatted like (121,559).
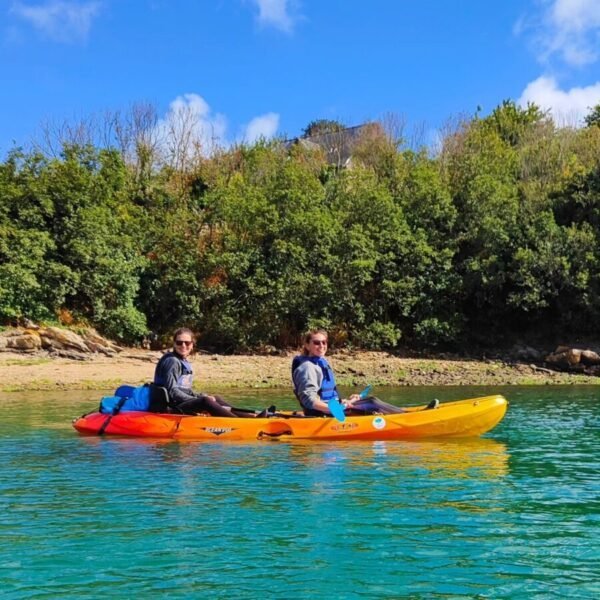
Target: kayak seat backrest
(159,398)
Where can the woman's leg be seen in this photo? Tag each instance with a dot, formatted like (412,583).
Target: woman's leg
(203,404)
(219,408)
(372,405)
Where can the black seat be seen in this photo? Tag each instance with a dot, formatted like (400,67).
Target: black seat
(159,398)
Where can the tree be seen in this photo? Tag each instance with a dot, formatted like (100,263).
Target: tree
(512,123)
(33,283)
(593,118)
(70,240)
(321,126)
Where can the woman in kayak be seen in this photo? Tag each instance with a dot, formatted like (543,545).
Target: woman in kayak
(315,387)
(174,373)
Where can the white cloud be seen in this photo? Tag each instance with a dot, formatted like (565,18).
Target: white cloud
(569,29)
(568,107)
(275,13)
(264,126)
(60,20)
(190,126)
(190,129)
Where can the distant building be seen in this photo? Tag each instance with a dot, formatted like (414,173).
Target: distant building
(338,145)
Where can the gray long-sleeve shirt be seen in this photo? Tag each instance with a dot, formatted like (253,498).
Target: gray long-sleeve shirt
(308,379)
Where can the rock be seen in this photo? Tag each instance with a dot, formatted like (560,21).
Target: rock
(527,354)
(54,337)
(94,347)
(567,358)
(70,354)
(561,349)
(92,337)
(57,340)
(574,360)
(590,358)
(7,333)
(28,342)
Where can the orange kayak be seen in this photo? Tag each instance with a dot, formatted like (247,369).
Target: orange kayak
(463,418)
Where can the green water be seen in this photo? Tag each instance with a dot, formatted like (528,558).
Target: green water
(515,514)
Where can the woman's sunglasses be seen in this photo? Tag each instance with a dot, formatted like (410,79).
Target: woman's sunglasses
(181,342)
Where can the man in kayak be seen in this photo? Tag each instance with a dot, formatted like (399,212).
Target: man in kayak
(315,387)
(174,372)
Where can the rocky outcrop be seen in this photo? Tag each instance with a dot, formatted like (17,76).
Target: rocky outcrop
(15,340)
(62,339)
(56,341)
(577,360)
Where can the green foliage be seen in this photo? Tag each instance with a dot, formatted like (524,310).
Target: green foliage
(123,323)
(513,123)
(593,118)
(67,237)
(494,239)
(32,282)
(378,336)
(321,126)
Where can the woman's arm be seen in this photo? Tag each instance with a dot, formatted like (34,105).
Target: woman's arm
(169,373)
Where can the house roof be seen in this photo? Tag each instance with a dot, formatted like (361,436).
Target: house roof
(338,145)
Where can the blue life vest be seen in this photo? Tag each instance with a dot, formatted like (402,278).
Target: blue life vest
(328,390)
(184,379)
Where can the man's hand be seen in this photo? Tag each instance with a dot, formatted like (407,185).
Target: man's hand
(349,402)
(352,400)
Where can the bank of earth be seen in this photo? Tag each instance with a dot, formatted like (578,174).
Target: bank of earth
(100,372)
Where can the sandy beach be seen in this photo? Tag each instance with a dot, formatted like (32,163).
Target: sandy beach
(100,372)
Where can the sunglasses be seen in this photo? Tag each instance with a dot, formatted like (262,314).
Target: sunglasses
(319,342)
(182,342)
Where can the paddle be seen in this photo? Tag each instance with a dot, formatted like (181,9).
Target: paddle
(365,392)
(336,409)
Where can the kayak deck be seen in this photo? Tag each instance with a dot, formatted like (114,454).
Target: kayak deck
(462,418)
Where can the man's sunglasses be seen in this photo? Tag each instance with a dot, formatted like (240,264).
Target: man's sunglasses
(181,342)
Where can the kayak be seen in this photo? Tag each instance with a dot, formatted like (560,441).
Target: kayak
(462,418)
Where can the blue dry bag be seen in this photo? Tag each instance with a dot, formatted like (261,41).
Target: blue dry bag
(127,398)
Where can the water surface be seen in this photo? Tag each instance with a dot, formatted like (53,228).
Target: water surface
(514,514)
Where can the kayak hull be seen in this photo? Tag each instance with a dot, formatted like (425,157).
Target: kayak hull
(463,418)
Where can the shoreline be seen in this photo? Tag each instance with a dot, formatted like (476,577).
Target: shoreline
(41,372)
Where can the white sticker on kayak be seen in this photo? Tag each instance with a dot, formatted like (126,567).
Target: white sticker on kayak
(379,422)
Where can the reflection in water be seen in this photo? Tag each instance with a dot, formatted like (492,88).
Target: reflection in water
(459,458)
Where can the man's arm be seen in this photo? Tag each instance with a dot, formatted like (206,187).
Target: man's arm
(307,383)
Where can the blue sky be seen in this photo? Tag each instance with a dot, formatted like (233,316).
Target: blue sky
(247,68)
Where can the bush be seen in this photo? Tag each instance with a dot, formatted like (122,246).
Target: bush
(378,336)
(125,323)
